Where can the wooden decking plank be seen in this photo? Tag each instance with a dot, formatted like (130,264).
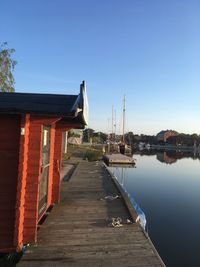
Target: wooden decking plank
(97,255)
(86,248)
(57,262)
(78,233)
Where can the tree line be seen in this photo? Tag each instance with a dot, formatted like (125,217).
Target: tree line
(179,139)
(90,135)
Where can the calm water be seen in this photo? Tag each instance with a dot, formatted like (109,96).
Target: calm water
(168,191)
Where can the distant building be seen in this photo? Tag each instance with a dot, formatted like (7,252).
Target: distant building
(75,137)
(164,135)
(75,140)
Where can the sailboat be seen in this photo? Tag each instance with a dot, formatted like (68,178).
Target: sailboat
(123,147)
(122,144)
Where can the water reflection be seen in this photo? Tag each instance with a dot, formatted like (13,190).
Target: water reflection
(169,156)
(120,173)
(170,198)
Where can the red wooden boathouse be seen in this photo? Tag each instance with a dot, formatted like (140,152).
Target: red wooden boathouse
(31,127)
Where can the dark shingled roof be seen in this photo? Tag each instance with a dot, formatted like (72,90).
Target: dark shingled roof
(46,104)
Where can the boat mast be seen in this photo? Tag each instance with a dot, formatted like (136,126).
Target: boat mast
(124,110)
(115,125)
(112,120)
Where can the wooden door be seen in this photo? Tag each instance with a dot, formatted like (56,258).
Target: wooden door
(46,136)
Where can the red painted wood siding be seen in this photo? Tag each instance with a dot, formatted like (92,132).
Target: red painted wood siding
(32,181)
(51,167)
(33,175)
(20,170)
(57,166)
(21,187)
(9,159)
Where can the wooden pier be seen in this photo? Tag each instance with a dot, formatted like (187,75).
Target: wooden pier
(118,159)
(79,231)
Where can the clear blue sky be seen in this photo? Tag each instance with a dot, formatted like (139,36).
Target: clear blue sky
(146,49)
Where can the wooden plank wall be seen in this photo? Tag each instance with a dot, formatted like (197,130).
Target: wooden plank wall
(32,181)
(9,158)
(21,186)
(57,166)
(20,170)
(34,172)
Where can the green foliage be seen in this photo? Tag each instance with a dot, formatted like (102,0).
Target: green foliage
(87,134)
(100,137)
(93,155)
(7,65)
(97,137)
